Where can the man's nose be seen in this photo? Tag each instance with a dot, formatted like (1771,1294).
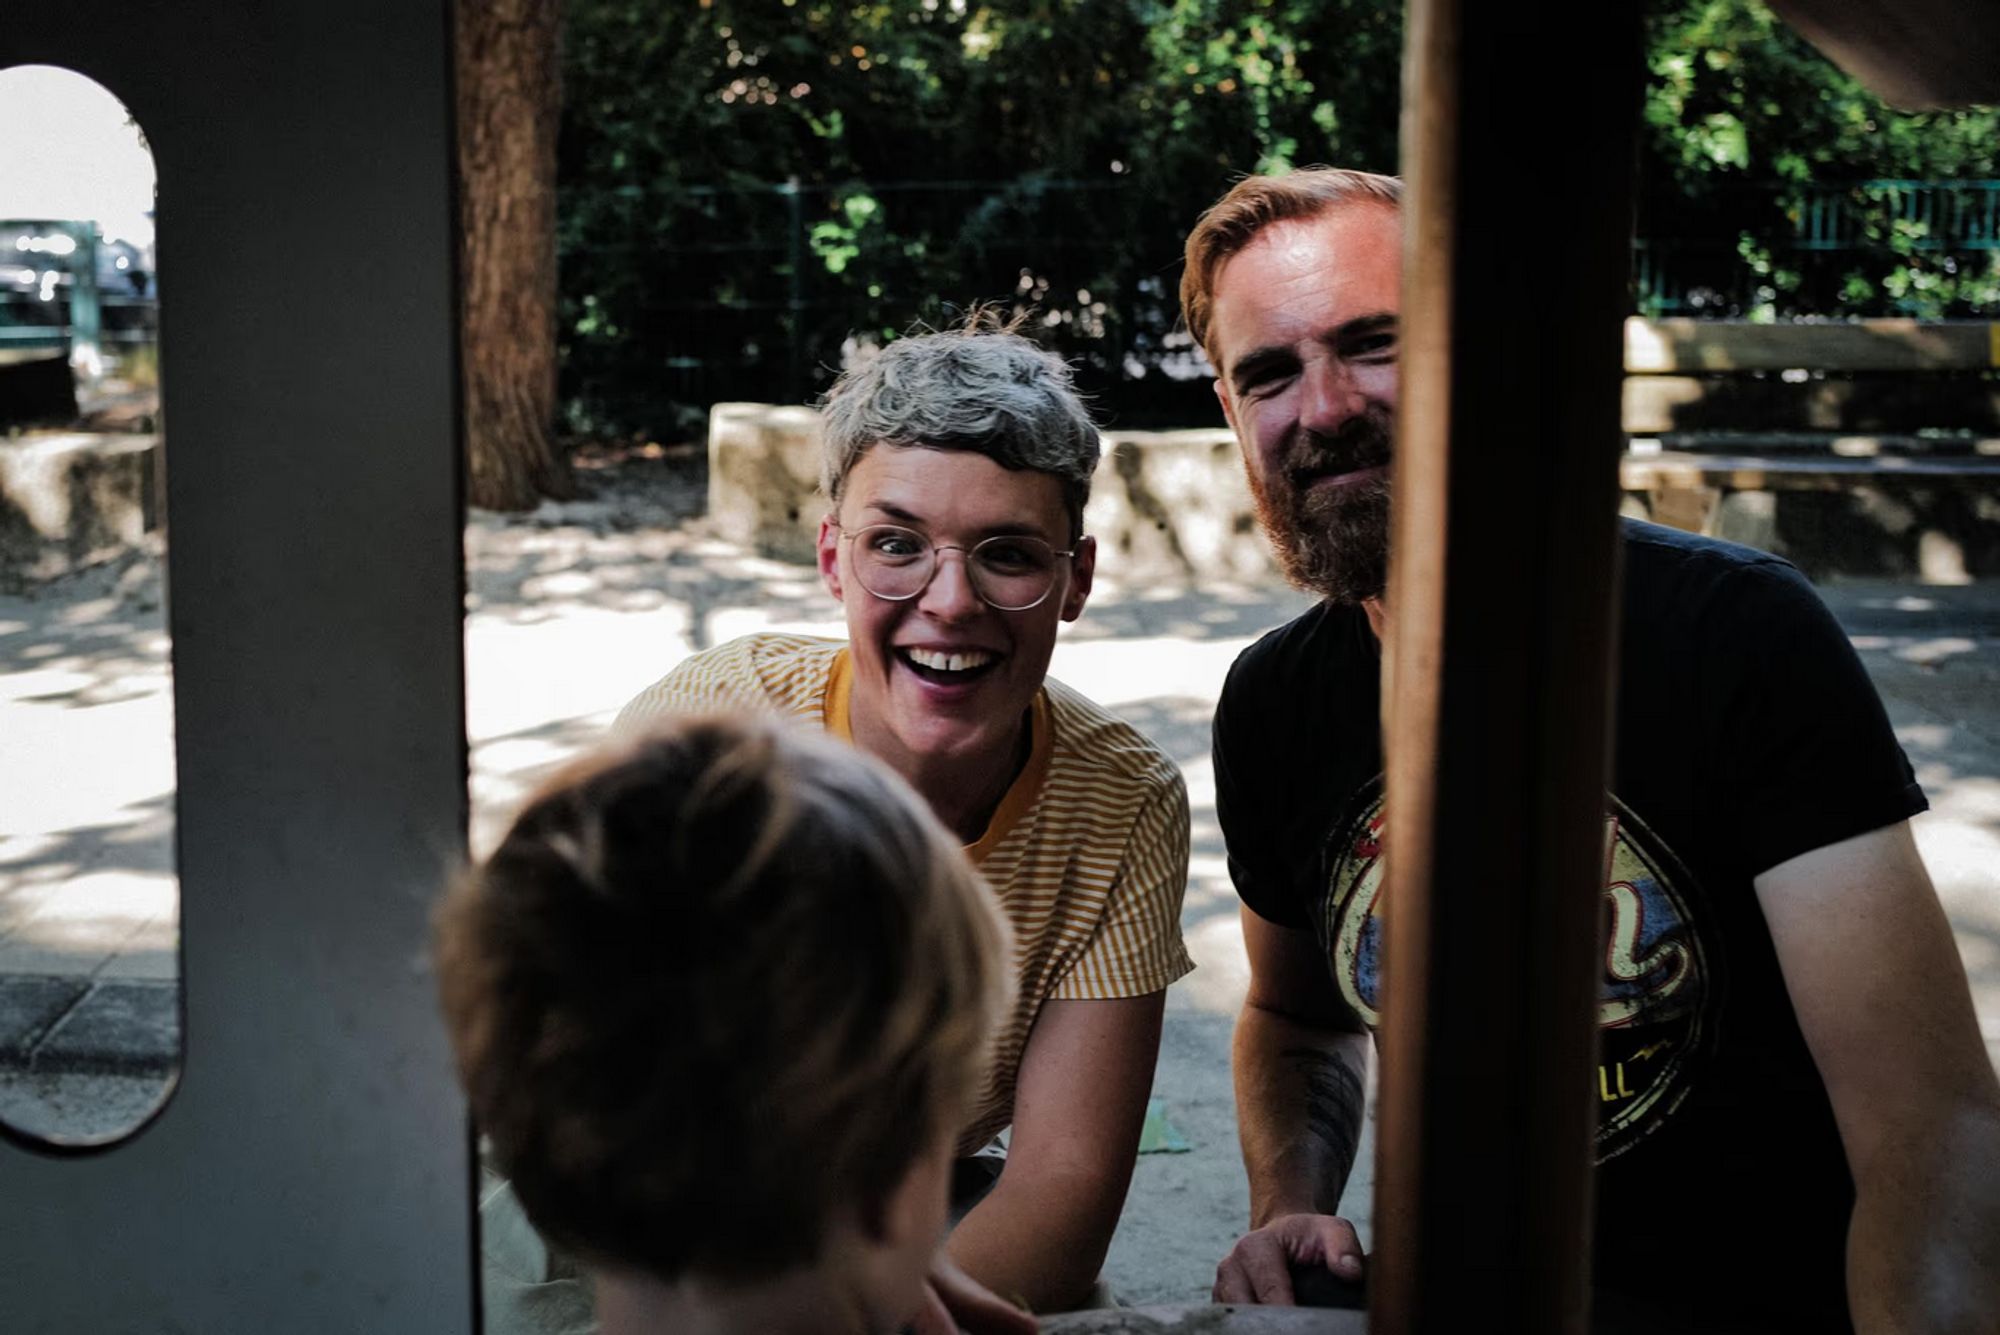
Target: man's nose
(950,595)
(1330,398)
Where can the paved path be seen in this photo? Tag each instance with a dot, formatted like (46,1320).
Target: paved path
(573,611)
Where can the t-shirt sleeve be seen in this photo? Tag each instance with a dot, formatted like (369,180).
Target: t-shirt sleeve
(722,678)
(1137,948)
(1248,811)
(1811,757)
(667,696)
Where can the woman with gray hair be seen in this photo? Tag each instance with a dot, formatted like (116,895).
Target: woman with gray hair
(956,469)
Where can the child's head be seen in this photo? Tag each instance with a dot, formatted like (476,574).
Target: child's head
(719,995)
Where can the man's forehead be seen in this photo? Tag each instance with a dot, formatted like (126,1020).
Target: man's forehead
(1301,273)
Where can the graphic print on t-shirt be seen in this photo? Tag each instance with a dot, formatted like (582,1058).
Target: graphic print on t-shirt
(1660,982)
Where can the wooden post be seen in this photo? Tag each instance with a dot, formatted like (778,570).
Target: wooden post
(1519,159)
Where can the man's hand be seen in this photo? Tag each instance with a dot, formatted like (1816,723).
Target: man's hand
(1258,1268)
(954,1302)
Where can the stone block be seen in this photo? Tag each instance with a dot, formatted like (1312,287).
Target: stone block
(1165,505)
(1748,517)
(1174,506)
(71,500)
(1931,528)
(763,478)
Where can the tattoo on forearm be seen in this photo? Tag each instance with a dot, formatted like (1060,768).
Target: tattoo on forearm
(1335,1102)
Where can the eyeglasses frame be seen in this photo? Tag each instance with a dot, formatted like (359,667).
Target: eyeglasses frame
(847,534)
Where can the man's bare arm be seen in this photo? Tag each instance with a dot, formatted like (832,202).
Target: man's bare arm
(1301,1064)
(1882,1000)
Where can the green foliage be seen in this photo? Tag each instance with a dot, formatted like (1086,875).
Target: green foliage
(1053,153)
(1753,140)
(1027,152)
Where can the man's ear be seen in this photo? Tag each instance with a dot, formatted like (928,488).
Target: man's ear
(1082,567)
(829,554)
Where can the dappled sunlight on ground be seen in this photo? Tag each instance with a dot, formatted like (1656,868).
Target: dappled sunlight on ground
(1184,613)
(575,608)
(87,884)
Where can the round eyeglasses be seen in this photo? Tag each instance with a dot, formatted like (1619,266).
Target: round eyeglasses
(1011,572)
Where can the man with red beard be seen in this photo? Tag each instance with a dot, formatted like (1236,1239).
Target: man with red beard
(1798,1128)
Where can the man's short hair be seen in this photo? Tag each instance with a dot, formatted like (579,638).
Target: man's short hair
(1254,203)
(979,387)
(714,986)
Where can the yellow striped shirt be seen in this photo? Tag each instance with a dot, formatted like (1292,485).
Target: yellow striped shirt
(1088,850)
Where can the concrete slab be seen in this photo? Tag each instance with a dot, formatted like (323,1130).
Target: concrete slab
(20,958)
(76,1110)
(91,920)
(30,1004)
(121,1028)
(68,500)
(157,961)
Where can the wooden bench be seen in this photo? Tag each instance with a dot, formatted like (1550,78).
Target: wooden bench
(1867,448)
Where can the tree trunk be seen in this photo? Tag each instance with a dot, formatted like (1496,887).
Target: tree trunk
(509,98)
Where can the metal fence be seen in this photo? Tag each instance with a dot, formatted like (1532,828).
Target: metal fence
(64,288)
(761,289)
(1925,215)
(1847,250)
(756,290)
(776,283)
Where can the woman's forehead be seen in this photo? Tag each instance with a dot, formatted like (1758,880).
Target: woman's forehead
(953,489)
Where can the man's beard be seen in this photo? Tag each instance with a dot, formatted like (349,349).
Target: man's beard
(1333,541)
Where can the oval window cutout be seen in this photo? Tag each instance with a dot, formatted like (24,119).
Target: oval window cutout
(90,1006)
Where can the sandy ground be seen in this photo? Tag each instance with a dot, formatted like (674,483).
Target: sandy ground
(575,608)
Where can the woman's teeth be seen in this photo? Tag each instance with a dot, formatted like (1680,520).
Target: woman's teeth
(961,661)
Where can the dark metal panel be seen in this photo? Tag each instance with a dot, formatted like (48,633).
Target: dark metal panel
(1519,161)
(310,1173)
(1914,53)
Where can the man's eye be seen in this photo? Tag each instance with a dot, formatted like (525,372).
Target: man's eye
(1376,347)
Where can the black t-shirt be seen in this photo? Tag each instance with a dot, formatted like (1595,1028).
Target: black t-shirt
(1747,733)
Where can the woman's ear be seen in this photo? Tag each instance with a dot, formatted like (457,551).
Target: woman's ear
(829,554)
(1082,567)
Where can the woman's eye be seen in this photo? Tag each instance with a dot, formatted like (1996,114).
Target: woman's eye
(1006,556)
(894,544)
